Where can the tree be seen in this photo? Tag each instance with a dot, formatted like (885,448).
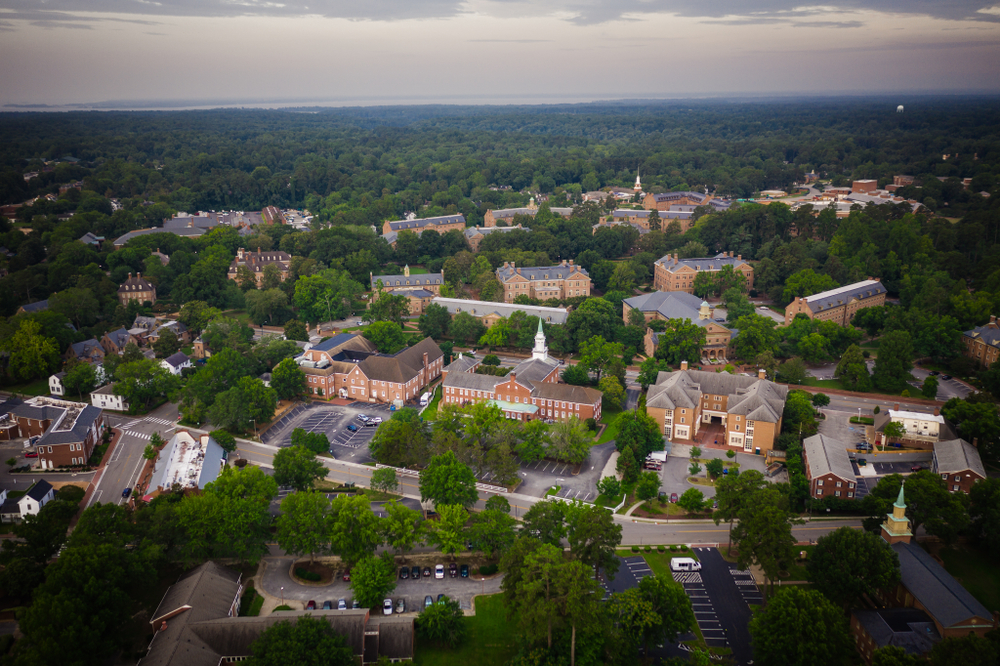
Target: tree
(806,283)
(546,521)
(654,220)
(442,623)
(435,321)
(80,379)
(384,480)
(401,527)
(613,395)
(984,512)
(799,627)
(167,344)
(387,336)
(649,370)
(353,529)
(930,388)
(848,564)
(570,441)
(593,317)
(758,334)
(596,353)
(714,467)
(792,371)
(671,605)
(288,380)
(372,579)
(593,536)
(609,486)
(466,328)
(448,531)
(224,439)
(627,465)
(764,532)
(894,362)
(893,431)
(31,353)
(648,486)
(633,618)
(308,641)
(300,524)
(893,655)
(325,296)
(296,330)
(387,307)
(493,532)
(576,375)
(969,650)
(682,340)
(446,480)
(317,442)
(247,402)
(142,382)
(692,500)
(297,467)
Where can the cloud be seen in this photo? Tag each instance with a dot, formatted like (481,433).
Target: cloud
(582,12)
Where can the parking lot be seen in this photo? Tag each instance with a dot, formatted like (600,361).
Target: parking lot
(538,477)
(331,420)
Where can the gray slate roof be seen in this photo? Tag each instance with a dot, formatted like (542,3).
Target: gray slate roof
(425,222)
(422,280)
(938,592)
(470,380)
(463,364)
(826,455)
(83,348)
(176,360)
(700,263)
(674,196)
(990,334)
(119,337)
(39,490)
(38,306)
(483,231)
(534,370)
(672,305)
(909,628)
(566,392)
(559,272)
(484,308)
(957,455)
(755,399)
(78,433)
(402,366)
(833,298)
(414,293)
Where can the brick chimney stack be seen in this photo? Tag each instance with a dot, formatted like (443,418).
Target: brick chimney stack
(684,365)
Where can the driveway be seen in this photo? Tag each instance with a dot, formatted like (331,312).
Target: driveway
(277,582)
(331,420)
(729,600)
(538,477)
(947,388)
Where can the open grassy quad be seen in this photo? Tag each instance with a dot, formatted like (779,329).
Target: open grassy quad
(490,639)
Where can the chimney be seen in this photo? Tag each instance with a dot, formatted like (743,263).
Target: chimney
(937,411)
(993,320)
(130,276)
(684,365)
(513,265)
(518,271)
(761,374)
(730,254)
(570,262)
(513,377)
(975,442)
(740,257)
(895,407)
(425,359)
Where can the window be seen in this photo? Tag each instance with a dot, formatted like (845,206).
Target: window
(820,482)
(836,493)
(954,488)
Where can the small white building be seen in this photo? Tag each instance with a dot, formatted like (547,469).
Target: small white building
(105,398)
(187,461)
(13,510)
(55,384)
(175,363)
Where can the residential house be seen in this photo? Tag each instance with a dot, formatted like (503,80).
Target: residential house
(921,430)
(749,409)
(667,305)
(28,504)
(982,343)
(959,464)
(838,305)
(136,289)
(92,240)
(105,398)
(148,324)
(198,624)
(671,273)
(828,468)
(114,341)
(175,363)
(257,261)
(489,312)
(430,281)
(29,308)
(88,351)
(349,366)
(56,384)
(561,281)
(180,330)
(530,391)
(188,461)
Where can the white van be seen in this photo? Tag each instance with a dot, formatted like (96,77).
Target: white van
(425,399)
(684,564)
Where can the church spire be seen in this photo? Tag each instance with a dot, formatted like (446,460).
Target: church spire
(541,350)
(896,527)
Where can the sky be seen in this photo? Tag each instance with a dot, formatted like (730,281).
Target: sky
(356,52)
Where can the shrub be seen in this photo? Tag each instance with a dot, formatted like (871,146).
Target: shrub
(307,575)
(591,424)
(684,549)
(730,454)
(876,410)
(488,570)
(635,549)
(283,607)
(660,549)
(673,549)
(649,549)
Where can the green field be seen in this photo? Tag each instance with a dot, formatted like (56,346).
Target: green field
(39,387)
(823,383)
(610,419)
(490,640)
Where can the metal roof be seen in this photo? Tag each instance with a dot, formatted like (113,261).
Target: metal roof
(957,455)
(484,308)
(826,455)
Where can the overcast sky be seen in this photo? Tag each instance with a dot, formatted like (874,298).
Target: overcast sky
(366,51)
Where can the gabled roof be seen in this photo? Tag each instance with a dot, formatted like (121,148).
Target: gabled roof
(990,334)
(402,366)
(483,308)
(482,231)
(119,337)
(826,300)
(700,263)
(559,272)
(566,392)
(341,340)
(826,455)
(83,348)
(938,592)
(176,360)
(414,293)
(470,380)
(135,283)
(534,370)
(672,305)
(462,364)
(39,490)
(38,306)
(63,434)
(957,455)
(909,628)
(756,399)
(426,222)
(413,280)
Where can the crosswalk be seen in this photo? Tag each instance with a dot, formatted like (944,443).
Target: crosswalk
(137,435)
(153,419)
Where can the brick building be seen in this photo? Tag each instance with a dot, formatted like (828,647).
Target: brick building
(114,341)
(982,343)
(138,289)
(866,186)
(959,464)
(838,305)
(257,261)
(489,312)
(417,299)
(505,216)
(430,281)
(67,431)
(922,430)
(475,235)
(441,225)
(530,391)
(748,408)
(562,281)
(828,468)
(667,305)
(88,351)
(668,200)
(348,366)
(670,273)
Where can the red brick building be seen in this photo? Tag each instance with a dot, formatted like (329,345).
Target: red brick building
(959,464)
(828,468)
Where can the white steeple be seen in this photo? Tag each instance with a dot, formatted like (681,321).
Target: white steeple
(638,185)
(541,350)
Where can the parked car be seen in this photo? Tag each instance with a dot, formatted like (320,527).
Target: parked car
(945,376)
(428,601)
(375,419)
(126,492)
(372,423)
(673,498)
(465,571)
(453,570)
(440,598)
(404,573)
(31,454)
(916,468)
(427,572)
(415,573)
(310,605)
(715,504)
(328,605)
(362,417)
(933,373)
(387,607)
(401,605)
(347,576)
(862,462)
(439,571)
(352,427)
(342,604)
(355,604)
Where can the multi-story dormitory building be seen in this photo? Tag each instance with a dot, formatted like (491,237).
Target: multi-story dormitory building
(530,391)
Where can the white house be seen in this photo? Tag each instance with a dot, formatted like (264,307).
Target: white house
(55,384)
(38,496)
(176,362)
(105,398)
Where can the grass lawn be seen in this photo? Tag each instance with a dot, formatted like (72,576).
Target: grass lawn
(432,409)
(864,420)
(611,421)
(490,639)
(40,387)
(797,569)
(823,383)
(553,491)
(604,500)
(976,572)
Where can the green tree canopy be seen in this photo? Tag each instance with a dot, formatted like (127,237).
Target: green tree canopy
(799,627)
(307,641)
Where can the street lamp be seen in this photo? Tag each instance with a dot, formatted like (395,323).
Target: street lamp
(282,596)
(254,428)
